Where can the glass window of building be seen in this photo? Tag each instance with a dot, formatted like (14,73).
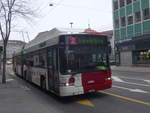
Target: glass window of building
(129,2)
(130,20)
(146,14)
(115,5)
(122,3)
(117,23)
(142,57)
(123,21)
(138,16)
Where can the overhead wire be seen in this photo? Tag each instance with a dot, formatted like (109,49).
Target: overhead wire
(55,5)
(82,7)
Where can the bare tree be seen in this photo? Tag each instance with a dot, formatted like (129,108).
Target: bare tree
(9,11)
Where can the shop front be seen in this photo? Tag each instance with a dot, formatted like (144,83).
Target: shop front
(135,51)
(142,57)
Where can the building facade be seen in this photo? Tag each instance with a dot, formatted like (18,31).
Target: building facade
(12,47)
(131,19)
(111,38)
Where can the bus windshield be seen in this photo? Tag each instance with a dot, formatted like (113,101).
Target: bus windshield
(85,53)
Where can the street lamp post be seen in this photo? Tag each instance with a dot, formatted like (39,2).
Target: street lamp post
(71,23)
(51,4)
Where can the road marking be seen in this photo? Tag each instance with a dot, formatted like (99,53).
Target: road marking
(85,102)
(117,79)
(130,78)
(136,84)
(132,90)
(135,79)
(147,81)
(8,80)
(126,98)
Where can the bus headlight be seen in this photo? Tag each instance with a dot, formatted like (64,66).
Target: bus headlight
(70,82)
(108,78)
(66,84)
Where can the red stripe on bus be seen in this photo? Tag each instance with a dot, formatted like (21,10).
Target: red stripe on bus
(93,81)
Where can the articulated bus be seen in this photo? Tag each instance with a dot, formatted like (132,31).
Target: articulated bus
(66,63)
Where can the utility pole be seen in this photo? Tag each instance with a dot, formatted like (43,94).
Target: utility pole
(71,23)
(89,26)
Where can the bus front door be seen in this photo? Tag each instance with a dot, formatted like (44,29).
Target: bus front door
(53,70)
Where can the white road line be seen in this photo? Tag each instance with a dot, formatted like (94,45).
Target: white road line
(147,81)
(8,80)
(131,78)
(117,79)
(132,90)
(137,84)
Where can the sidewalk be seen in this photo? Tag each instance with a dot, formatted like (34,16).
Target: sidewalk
(16,97)
(130,69)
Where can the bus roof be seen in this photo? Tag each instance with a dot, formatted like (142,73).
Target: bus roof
(51,37)
(48,35)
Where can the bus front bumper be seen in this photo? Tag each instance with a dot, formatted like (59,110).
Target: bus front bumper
(71,90)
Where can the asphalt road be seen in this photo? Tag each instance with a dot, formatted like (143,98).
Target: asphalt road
(130,94)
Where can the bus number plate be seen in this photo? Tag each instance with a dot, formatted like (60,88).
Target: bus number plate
(92,90)
(91,81)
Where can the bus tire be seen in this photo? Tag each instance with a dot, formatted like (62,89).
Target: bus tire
(43,83)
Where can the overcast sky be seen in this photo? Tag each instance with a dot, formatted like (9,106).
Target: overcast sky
(98,13)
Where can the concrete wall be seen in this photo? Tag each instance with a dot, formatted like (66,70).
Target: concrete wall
(13,46)
(126,58)
(138,28)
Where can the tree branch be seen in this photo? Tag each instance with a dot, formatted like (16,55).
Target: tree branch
(3,7)
(10,9)
(1,30)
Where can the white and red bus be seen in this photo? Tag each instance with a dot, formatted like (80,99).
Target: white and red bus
(66,62)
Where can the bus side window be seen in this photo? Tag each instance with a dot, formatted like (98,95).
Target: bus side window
(42,59)
(50,63)
(36,60)
(29,61)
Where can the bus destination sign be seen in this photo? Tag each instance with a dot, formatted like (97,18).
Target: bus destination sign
(76,40)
